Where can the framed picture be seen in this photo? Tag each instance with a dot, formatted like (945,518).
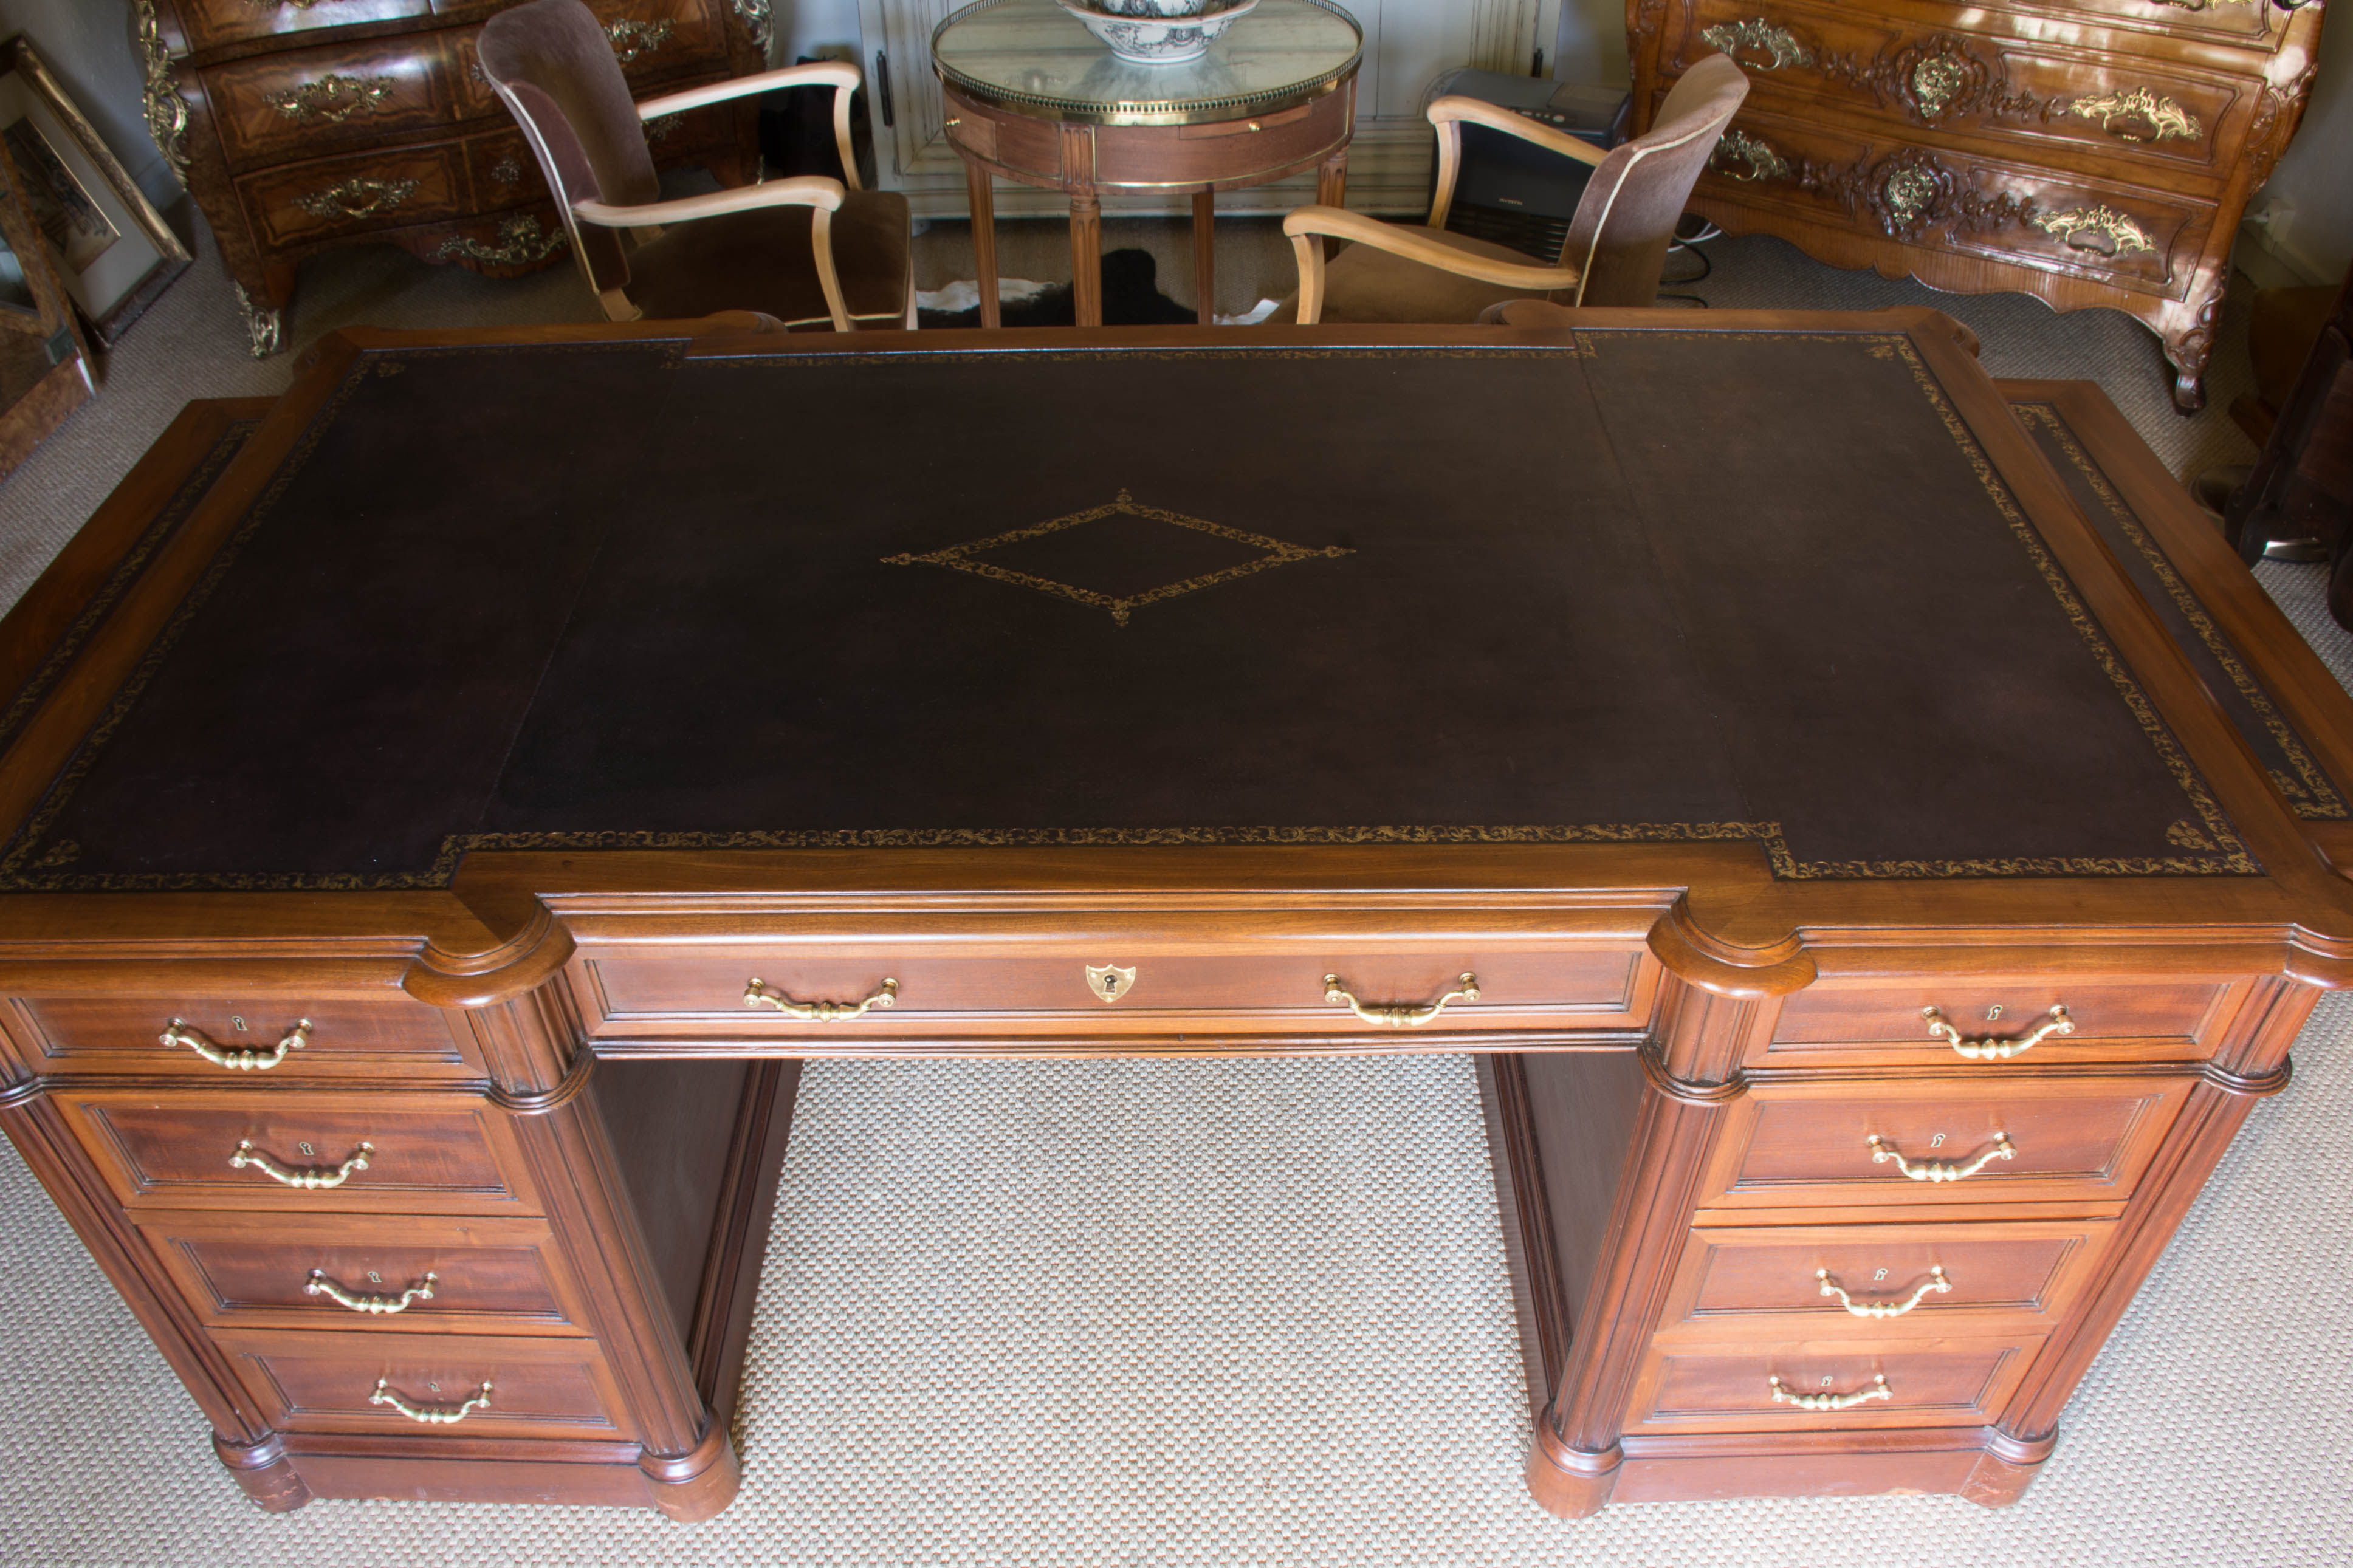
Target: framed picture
(43,373)
(110,249)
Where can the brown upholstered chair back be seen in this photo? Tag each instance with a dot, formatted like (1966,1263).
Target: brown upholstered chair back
(1619,238)
(553,65)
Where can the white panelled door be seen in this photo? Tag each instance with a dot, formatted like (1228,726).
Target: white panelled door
(1407,44)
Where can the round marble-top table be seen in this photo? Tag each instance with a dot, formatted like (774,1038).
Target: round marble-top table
(1032,95)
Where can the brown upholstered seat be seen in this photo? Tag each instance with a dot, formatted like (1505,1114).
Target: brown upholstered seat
(806,250)
(1617,242)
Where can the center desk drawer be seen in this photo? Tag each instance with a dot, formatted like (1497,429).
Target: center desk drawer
(261,1038)
(331,1382)
(408,1273)
(700,992)
(300,1151)
(1778,1283)
(1826,1141)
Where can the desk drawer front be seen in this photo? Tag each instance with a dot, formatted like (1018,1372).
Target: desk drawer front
(2108,1020)
(2071,1139)
(383,1035)
(255,1270)
(2012,1278)
(325,1383)
(312,101)
(425,1154)
(1730,1388)
(698,994)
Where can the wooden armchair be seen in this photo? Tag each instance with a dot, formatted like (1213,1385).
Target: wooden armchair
(1617,242)
(804,251)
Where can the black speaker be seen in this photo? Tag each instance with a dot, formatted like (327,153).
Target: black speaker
(1508,192)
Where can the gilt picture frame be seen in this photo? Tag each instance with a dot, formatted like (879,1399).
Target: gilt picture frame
(111,250)
(44,366)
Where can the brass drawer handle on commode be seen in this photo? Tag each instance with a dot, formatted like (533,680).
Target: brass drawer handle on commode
(430,1414)
(1988,1048)
(384,1306)
(177,1033)
(1398,1014)
(1938,1170)
(756,991)
(311,1178)
(1936,1282)
(1878,1390)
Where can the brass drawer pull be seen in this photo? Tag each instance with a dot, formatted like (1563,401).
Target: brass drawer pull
(430,1414)
(1398,1014)
(1936,1282)
(359,196)
(1878,1390)
(177,1033)
(1989,1049)
(310,1179)
(382,1306)
(756,991)
(1937,1169)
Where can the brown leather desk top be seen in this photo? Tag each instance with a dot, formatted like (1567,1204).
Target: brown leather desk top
(1665,585)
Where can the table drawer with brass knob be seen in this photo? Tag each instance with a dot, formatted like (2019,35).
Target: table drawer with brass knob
(839,999)
(1810,1386)
(2033,1136)
(415,1274)
(1949,1278)
(1933,1023)
(302,1150)
(213,1037)
(406,1385)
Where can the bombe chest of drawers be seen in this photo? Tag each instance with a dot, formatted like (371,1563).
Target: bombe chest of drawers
(2090,152)
(407,1008)
(303,125)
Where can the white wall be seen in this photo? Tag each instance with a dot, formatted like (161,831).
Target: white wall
(1592,47)
(89,43)
(2316,178)
(806,26)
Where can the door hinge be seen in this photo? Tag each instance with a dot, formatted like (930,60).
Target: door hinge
(883,85)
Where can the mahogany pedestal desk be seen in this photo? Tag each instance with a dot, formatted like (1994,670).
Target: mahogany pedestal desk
(1033,97)
(1876,841)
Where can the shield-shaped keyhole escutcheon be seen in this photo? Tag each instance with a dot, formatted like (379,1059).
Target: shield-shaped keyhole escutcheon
(1109,982)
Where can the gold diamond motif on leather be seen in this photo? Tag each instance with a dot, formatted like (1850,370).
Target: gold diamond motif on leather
(1271,553)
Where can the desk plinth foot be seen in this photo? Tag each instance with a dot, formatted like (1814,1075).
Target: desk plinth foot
(692,1486)
(1567,1482)
(2006,1468)
(264,1471)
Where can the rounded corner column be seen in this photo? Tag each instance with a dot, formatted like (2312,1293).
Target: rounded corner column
(265,1471)
(692,1486)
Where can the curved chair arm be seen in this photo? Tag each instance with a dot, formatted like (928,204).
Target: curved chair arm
(1303,224)
(840,75)
(817,192)
(1448,113)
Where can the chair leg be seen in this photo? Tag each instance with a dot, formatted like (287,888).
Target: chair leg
(911,295)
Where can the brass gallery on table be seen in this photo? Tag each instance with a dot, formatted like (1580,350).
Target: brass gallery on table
(416,1052)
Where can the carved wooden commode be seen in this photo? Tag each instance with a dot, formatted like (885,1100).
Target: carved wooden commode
(303,125)
(2092,151)
(406,1007)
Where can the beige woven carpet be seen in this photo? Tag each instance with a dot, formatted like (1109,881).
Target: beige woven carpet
(1251,1312)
